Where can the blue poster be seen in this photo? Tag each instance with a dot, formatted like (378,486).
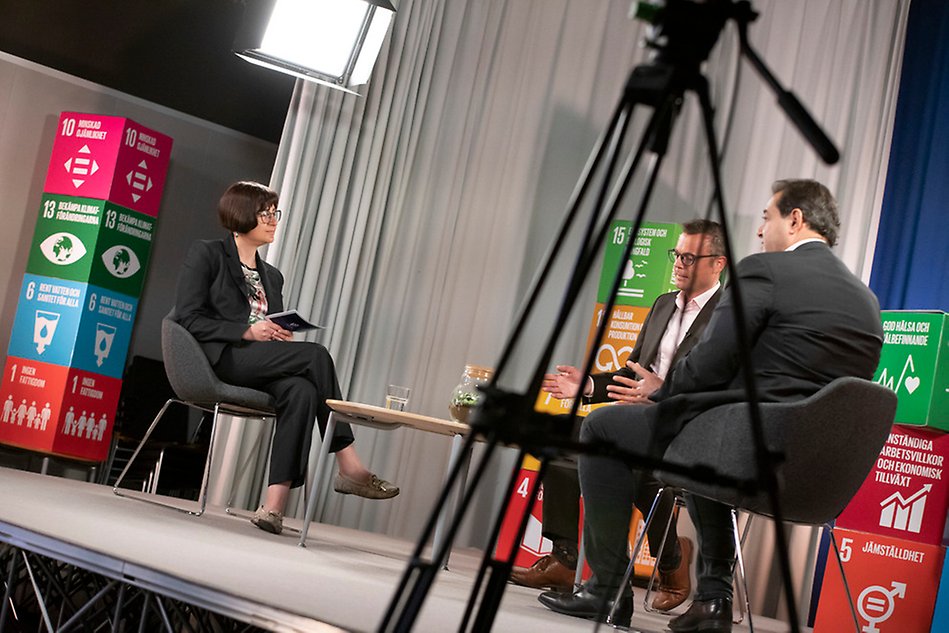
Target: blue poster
(73,324)
(47,319)
(105,332)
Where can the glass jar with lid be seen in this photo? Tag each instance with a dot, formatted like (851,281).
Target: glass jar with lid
(466,395)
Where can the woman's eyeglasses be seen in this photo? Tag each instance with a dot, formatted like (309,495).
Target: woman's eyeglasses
(270,217)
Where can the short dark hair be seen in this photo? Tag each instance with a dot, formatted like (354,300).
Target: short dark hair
(240,204)
(815,201)
(712,230)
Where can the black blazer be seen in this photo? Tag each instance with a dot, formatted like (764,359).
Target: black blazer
(809,321)
(647,343)
(212,299)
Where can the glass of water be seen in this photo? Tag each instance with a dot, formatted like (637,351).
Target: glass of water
(397,397)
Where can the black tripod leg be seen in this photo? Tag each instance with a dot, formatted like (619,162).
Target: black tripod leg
(500,570)
(658,91)
(763,458)
(419,575)
(606,141)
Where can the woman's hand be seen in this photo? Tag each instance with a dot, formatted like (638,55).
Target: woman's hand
(267,331)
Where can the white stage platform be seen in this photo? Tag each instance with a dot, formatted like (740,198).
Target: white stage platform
(343,580)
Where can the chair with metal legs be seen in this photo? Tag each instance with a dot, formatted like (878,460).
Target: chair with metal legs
(828,443)
(197,386)
(741,584)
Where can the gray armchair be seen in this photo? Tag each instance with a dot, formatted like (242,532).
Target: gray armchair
(829,442)
(197,386)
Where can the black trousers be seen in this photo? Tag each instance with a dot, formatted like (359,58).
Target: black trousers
(300,376)
(610,487)
(561,513)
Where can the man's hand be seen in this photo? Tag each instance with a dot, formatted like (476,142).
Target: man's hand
(566,383)
(633,391)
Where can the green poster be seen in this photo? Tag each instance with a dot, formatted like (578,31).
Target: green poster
(914,364)
(92,241)
(648,272)
(65,237)
(122,250)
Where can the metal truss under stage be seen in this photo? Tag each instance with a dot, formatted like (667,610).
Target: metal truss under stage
(52,586)
(42,593)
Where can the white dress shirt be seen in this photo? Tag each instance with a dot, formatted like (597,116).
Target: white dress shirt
(678,326)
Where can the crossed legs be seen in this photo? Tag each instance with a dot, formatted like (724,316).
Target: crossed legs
(300,376)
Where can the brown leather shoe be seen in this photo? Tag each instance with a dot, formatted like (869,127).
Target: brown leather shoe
(546,573)
(675,586)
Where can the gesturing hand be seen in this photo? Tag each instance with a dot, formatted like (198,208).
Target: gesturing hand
(267,331)
(634,391)
(564,384)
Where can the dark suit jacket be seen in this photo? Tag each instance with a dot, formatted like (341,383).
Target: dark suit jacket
(809,321)
(212,299)
(647,343)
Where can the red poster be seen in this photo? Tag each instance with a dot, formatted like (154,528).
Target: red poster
(533,545)
(905,495)
(893,583)
(109,158)
(54,409)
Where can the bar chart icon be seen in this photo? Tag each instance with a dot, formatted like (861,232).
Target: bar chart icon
(905,513)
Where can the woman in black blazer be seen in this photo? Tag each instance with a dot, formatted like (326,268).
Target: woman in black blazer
(225,290)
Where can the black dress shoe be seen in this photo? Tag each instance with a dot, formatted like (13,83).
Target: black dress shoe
(583,604)
(707,616)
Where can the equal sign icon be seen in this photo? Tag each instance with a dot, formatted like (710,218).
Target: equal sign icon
(83,165)
(139,180)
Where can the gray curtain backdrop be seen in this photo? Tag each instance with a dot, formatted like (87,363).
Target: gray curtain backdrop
(417,214)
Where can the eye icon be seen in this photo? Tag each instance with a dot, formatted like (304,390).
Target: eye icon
(63,248)
(121,261)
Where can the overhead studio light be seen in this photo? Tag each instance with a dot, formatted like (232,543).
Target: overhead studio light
(332,42)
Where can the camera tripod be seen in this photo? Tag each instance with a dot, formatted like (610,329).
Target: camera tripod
(684,34)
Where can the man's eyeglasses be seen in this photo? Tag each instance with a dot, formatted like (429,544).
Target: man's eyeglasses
(687,258)
(270,217)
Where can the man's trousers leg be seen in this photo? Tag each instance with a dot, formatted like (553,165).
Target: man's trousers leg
(610,487)
(716,561)
(561,512)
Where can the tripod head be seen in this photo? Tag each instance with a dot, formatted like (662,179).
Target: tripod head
(683,32)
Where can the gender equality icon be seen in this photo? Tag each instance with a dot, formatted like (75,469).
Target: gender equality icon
(876,604)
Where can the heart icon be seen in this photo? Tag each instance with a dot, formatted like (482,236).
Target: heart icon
(911,383)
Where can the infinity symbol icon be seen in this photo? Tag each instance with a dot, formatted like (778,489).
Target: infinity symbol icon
(613,363)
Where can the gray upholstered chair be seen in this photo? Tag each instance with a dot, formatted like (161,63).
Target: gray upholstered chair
(196,385)
(829,441)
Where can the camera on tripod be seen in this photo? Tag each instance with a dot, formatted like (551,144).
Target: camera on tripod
(685,31)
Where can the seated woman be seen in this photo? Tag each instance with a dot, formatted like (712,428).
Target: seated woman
(224,293)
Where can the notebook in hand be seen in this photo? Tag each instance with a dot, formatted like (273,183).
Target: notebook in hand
(292,321)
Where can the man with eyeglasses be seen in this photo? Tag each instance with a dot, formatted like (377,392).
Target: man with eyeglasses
(673,326)
(809,321)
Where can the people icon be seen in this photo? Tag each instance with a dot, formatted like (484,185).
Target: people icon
(45,414)
(81,425)
(31,415)
(100,432)
(21,413)
(8,409)
(69,421)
